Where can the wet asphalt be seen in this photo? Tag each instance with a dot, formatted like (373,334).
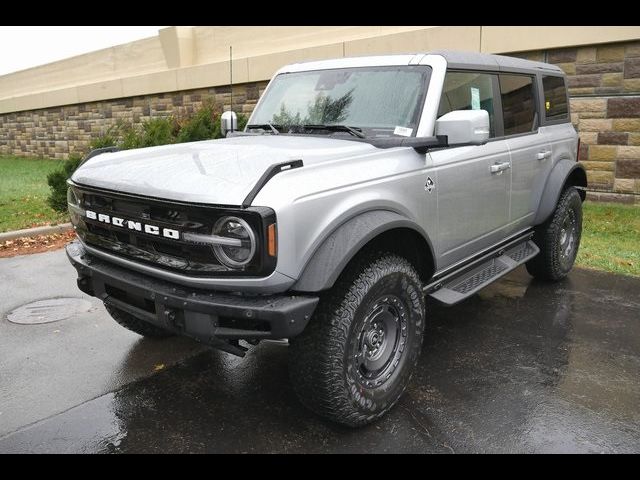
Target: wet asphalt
(521,367)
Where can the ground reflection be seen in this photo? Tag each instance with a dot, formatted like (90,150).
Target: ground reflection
(522,367)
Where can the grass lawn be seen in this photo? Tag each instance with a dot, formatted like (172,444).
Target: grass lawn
(610,238)
(23,193)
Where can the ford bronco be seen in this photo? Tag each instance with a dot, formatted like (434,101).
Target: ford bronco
(359,187)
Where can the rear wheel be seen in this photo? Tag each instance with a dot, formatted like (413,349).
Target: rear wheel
(136,325)
(354,360)
(558,239)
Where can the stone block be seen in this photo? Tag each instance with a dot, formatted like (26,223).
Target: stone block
(612,80)
(599,68)
(603,153)
(588,105)
(624,185)
(628,168)
(620,107)
(632,68)
(595,125)
(613,138)
(625,125)
(634,139)
(568,68)
(586,55)
(632,152)
(588,138)
(599,178)
(610,53)
(599,166)
(578,81)
(563,55)
(631,85)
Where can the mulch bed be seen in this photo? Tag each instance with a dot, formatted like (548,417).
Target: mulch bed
(37,244)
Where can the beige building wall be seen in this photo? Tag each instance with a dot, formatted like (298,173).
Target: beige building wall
(184,58)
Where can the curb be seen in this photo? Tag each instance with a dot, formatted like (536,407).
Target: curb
(31,232)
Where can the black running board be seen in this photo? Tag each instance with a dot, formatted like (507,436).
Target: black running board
(460,285)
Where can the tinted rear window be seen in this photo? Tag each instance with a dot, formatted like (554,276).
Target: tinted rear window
(555,98)
(518,104)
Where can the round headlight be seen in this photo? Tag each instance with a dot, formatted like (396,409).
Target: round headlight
(243,246)
(73,205)
(72,199)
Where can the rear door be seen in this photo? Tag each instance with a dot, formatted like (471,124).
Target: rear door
(528,143)
(472,201)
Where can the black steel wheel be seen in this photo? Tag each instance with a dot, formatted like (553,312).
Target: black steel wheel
(381,342)
(558,239)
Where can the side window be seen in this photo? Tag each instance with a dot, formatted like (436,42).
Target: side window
(468,91)
(518,104)
(555,98)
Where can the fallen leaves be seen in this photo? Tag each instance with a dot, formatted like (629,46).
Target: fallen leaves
(37,244)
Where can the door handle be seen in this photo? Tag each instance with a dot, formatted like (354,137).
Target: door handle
(543,155)
(499,167)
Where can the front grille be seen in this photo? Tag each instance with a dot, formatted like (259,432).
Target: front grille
(168,253)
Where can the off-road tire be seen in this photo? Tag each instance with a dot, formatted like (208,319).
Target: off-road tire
(136,325)
(323,359)
(550,264)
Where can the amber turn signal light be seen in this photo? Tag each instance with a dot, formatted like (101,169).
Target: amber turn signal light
(271,240)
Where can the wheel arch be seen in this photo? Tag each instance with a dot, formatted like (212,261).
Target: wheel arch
(565,173)
(376,228)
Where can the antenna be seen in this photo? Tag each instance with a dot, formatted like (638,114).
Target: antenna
(231,79)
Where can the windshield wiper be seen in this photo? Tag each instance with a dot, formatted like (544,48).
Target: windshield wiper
(356,132)
(262,126)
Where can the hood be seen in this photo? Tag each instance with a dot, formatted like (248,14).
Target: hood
(213,171)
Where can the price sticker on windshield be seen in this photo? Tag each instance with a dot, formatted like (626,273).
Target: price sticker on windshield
(403,131)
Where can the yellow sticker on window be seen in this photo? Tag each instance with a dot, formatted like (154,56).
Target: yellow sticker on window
(547,105)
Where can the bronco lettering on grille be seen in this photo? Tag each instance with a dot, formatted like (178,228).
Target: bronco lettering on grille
(133,225)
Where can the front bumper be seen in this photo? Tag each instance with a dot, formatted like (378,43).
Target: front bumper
(210,317)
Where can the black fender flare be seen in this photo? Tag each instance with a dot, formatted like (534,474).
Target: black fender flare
(341,245)
(556,182)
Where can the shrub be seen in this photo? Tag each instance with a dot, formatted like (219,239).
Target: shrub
(157,131)
(201,126)
(109,139)
(130,136)
(57,180)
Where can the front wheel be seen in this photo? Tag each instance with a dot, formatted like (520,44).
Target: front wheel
(558,239)
(354,360)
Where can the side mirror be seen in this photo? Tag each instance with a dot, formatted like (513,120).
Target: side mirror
(470,127)
(228,122)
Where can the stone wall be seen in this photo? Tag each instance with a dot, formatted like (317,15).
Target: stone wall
(57,132)
(604,86)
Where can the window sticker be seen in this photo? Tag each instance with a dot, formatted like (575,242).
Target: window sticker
(403,131)
(475,98)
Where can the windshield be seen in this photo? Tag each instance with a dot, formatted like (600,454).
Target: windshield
(379,101)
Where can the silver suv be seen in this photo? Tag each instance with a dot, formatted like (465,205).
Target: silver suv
(359,187)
